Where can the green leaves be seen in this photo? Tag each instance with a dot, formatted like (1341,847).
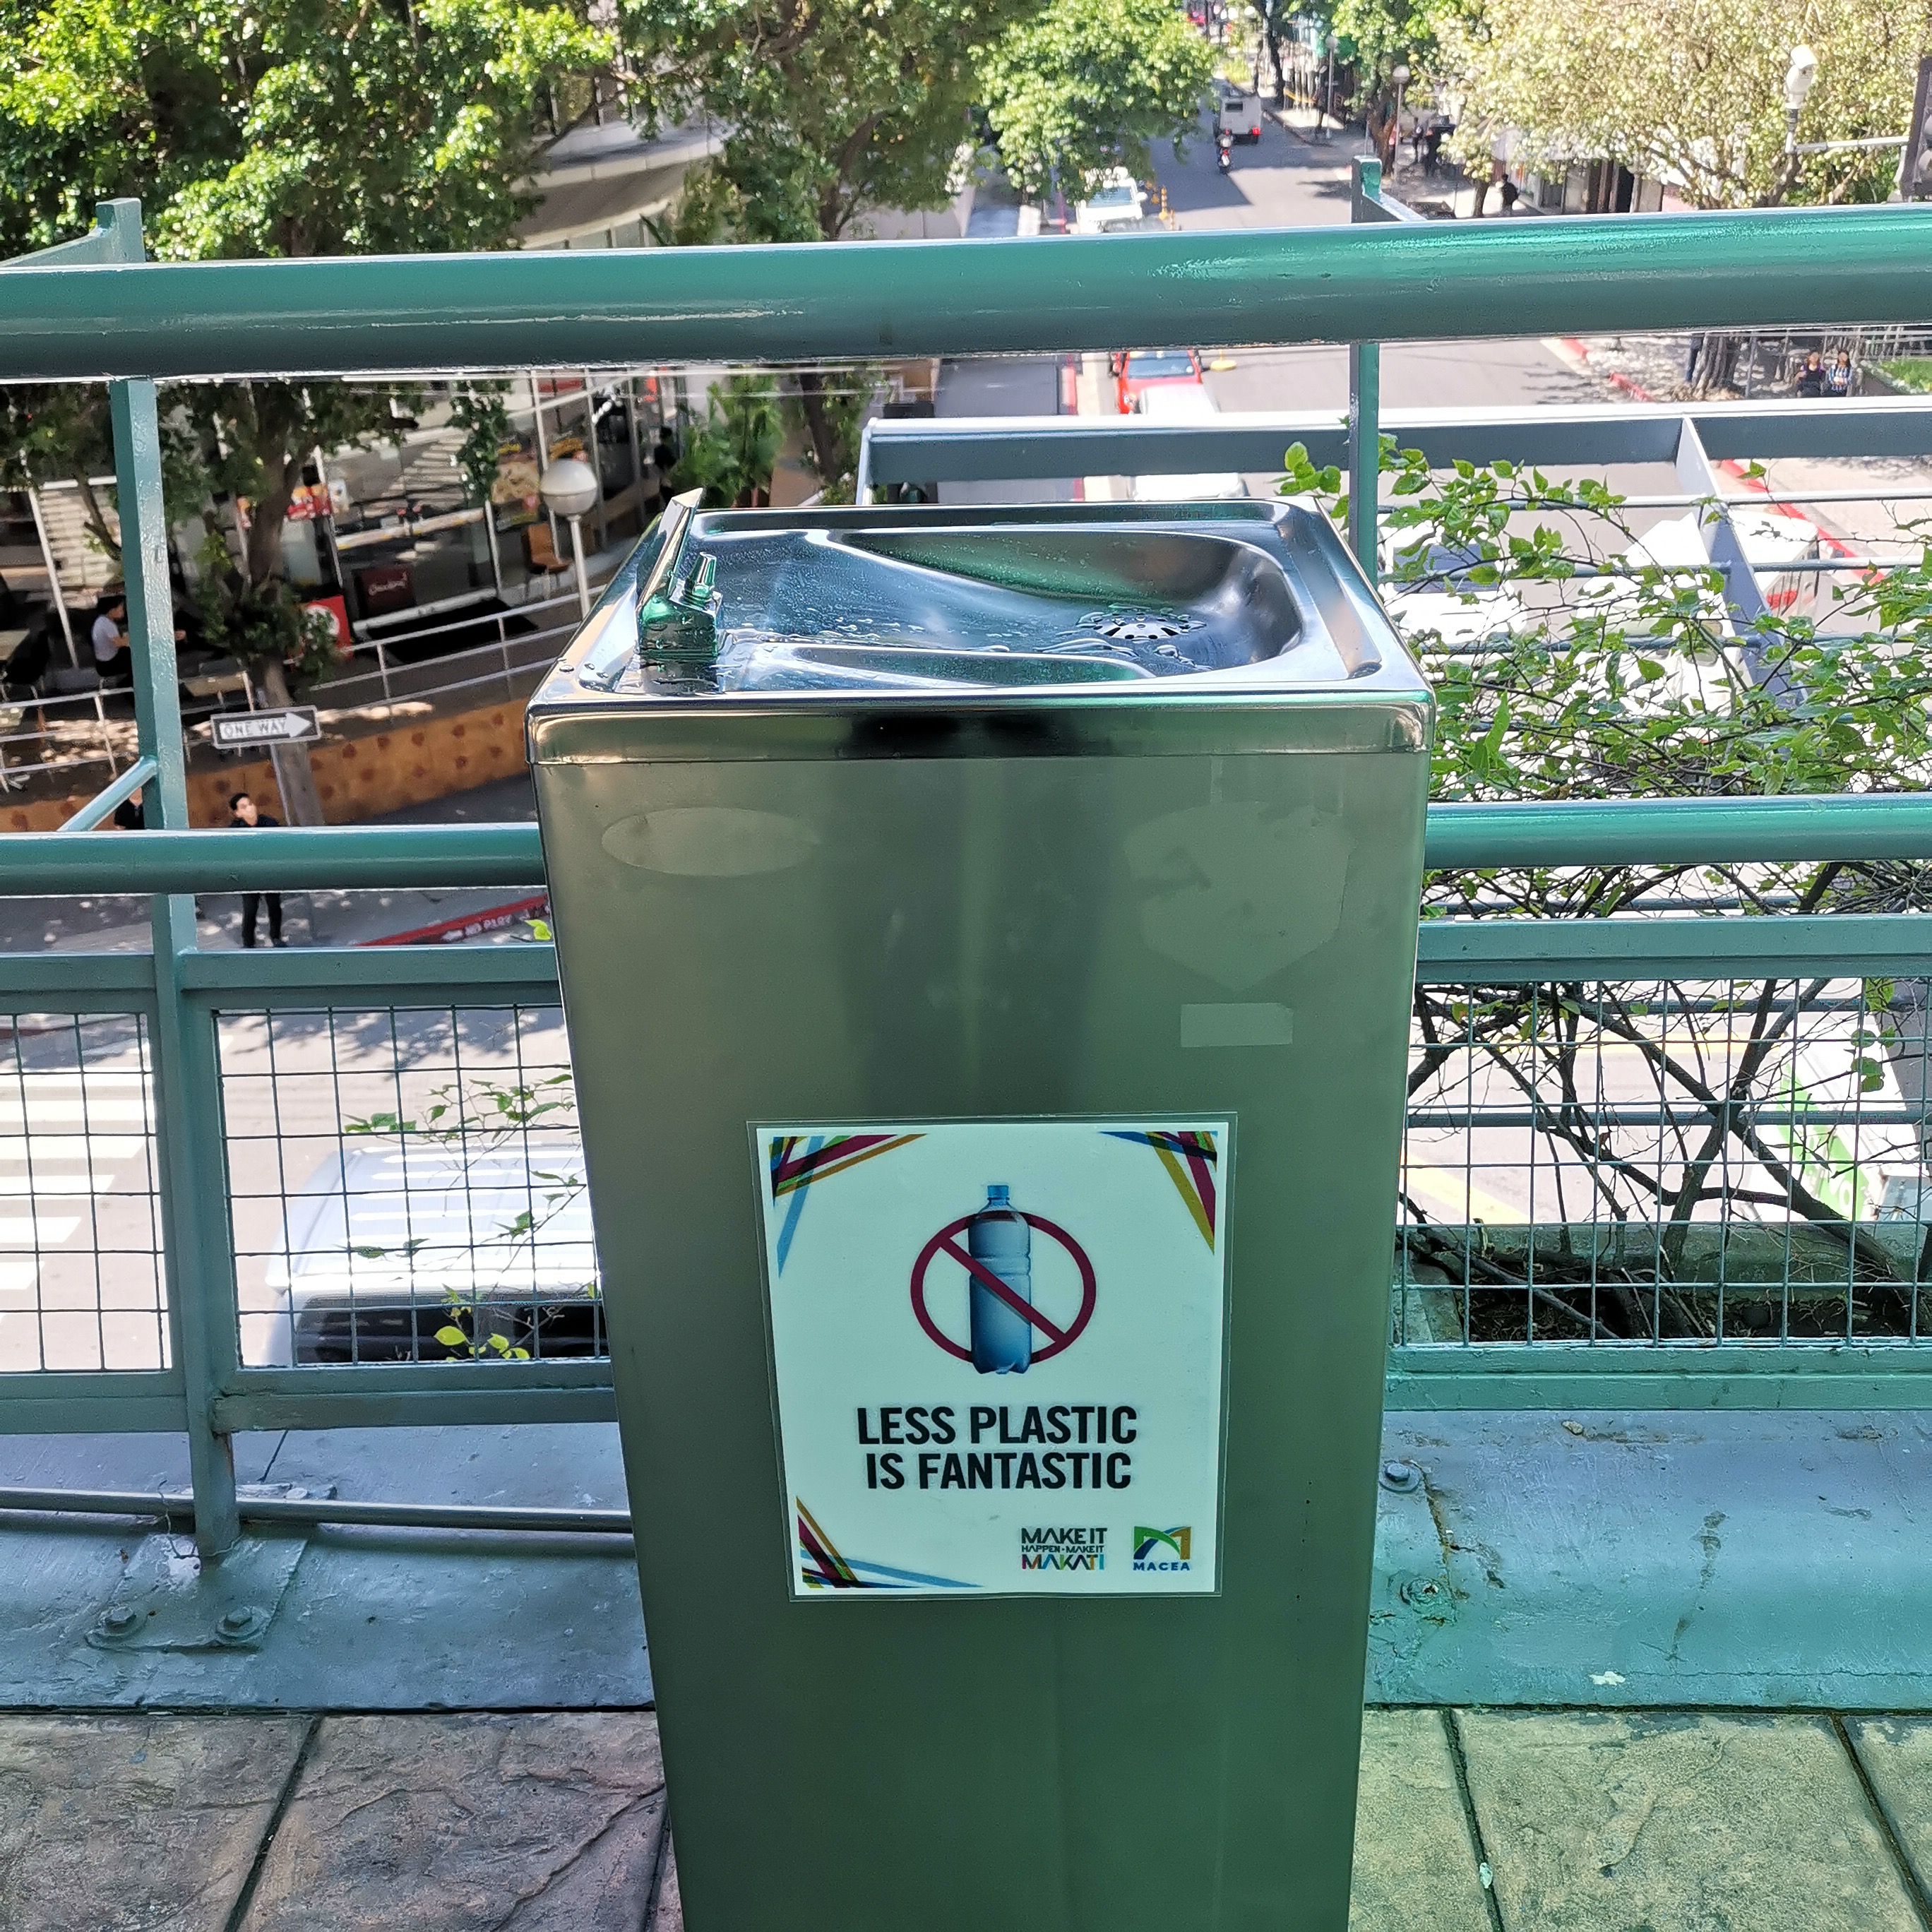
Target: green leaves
(1082,86)
(731,458)
(834,108)
(1605,674)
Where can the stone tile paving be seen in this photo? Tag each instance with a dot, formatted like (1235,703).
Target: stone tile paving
(546,1823)
(1485,1821)
(137,1822)
(1612,1821)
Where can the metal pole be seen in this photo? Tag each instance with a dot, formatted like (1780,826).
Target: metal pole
(591,457)
(577,557)
(53,578)
(637,453)
(543,453)
(196,1253)
(1365,383)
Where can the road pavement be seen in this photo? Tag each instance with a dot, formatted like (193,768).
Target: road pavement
(1289,179)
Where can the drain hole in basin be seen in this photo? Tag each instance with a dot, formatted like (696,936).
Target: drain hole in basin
(1139,627)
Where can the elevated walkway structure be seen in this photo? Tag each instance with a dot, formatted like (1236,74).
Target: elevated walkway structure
(341,1631)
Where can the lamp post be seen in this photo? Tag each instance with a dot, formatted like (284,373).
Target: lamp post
(1400,77)
(1328,90)
(1798,79)
(569,487)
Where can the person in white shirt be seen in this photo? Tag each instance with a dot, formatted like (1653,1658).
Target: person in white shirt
(112,658)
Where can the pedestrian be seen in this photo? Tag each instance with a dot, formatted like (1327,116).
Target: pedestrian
(242,812)
(1811,378)
(1841,378)
(1509,196)
(130,815)
(113,663)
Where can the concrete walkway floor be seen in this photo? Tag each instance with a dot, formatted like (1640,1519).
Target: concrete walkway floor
(1470,1821)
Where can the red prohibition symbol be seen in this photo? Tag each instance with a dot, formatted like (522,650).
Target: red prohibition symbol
(947,1242)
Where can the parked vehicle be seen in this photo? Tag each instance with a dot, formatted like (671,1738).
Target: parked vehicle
(393,1246)
(1184,403)
(1118,202)
(1138,370)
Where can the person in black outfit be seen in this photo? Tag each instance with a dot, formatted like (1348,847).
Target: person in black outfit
(242,812)
(131,814)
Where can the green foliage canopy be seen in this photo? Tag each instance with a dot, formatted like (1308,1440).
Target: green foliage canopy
(1087,85)
(271,127)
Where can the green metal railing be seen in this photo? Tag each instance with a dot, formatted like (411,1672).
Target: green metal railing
(92,309)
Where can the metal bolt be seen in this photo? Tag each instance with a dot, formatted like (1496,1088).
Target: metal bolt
(1419,1590)
(237,1622)
(119,1620)
(1401,1477)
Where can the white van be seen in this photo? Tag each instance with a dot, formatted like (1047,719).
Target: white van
(1183,403)
(1117,202)
(391,1242)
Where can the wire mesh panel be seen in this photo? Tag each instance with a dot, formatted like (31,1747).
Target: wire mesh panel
(407,1186)
(81,1281)
(1735,1161)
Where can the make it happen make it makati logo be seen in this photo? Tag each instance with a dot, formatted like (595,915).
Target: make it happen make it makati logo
(1164,1549)
(1082,1548)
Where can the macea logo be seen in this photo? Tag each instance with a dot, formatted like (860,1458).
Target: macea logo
(1148,1542)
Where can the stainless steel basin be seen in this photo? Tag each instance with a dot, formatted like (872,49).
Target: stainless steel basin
(928,602)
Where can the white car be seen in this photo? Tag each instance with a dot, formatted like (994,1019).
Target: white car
(1183,403)
(392,1241)
(1117,202)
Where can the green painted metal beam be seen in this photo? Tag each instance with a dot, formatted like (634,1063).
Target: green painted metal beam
(58,1402)
(285,860)
(417,1395)
(421,976)
(1434,281)
(76,982)
(1690,831)
(116,236)
(1673,1375)
(1576,832)
(143,771)
(1459,952)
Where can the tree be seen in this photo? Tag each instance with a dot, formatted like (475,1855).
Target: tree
(1384,35)
(1086,86)
(835,108)
(1615,678)
(1692,91)
(278,128)
(731,457)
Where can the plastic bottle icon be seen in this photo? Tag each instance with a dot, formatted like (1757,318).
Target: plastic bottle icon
(998,1238)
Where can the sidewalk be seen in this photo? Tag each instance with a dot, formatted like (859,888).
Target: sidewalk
(1468,1821)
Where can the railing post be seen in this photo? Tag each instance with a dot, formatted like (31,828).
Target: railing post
(1365,405)
(197,1261)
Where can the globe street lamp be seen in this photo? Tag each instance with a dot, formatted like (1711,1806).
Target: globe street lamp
(1799,77)
(568,488)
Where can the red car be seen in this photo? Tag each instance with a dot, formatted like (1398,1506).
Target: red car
(1140,369)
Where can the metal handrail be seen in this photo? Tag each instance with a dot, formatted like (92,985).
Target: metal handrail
(1572,833)
(1432,281)
(134,322)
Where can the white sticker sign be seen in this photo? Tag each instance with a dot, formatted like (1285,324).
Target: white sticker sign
(998,1351)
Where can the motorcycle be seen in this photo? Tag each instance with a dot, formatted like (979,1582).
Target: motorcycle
(1224,153)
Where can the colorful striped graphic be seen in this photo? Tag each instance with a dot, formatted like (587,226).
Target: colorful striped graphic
(798,1160)
(821,1567)
(1190,1158)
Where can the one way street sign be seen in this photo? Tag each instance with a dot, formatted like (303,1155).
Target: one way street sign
(234,729)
